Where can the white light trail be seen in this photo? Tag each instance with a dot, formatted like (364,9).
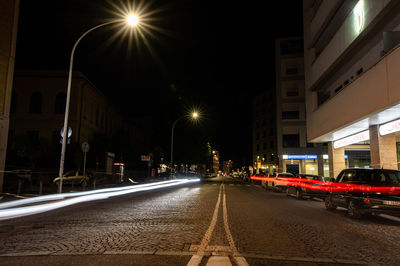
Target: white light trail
(6,214)
(21,202)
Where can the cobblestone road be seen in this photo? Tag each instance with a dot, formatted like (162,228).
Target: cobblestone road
(167,226)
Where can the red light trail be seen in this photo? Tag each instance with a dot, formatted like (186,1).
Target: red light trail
(329,186)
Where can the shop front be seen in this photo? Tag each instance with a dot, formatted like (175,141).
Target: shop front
(300,163)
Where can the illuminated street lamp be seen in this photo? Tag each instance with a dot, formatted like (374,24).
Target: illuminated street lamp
(194,115)
(131,20)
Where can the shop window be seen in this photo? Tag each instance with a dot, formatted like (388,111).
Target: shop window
(35,103)
(59,105)
(310,145)
(291,140)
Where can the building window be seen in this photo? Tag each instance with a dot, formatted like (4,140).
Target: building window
(257,125)
(258,147)
(33,137)
(264,146)
(59,105)
(271,144)
(55,138)
(323,96)
(310,145)
(97,117)
(13,107)
(264,134)
(291,70)
(271,131)
(35,103)
(292,92)
(257,136)
(290,115)
(291,140)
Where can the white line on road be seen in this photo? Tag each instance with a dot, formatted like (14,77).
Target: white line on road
(196,259)
(239,259)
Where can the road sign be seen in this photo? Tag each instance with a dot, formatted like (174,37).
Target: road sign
(69,132)
(85,147)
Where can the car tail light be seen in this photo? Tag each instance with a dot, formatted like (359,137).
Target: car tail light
(367,201)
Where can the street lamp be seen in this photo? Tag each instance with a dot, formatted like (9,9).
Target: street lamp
(194,115)
(132,20)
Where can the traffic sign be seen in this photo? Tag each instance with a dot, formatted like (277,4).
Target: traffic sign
(85,147)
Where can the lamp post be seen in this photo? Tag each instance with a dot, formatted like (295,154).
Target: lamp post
(131,20)
(194,115)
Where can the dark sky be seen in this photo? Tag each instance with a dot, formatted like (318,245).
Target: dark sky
(214,55)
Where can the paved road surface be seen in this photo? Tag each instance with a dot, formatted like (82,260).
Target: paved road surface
(218,220)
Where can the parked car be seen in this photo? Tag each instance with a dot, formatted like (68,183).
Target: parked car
(308,186)
(73,177)
(279,181)
(366,191)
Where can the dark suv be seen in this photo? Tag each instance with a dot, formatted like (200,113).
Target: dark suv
(366,191)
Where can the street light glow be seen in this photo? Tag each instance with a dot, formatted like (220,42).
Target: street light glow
(132,19)
(195,115)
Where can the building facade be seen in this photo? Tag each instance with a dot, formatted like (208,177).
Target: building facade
(8,36)
(264,131)
(38,107)
(295,154)
(352,57)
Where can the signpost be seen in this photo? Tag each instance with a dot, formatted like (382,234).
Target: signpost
(85,149)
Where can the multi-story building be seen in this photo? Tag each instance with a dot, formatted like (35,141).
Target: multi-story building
(295,154)
(227,166)
(264,131)
(215,162)
(8,25)
(352,58)
(38,107)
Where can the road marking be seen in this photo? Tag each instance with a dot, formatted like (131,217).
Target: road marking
(196,259)
(219,261)
(241,261)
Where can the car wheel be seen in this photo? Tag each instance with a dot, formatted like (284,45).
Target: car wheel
(352,210)
(299,194)
(329,204)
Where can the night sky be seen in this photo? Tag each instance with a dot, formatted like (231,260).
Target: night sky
(214,55)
